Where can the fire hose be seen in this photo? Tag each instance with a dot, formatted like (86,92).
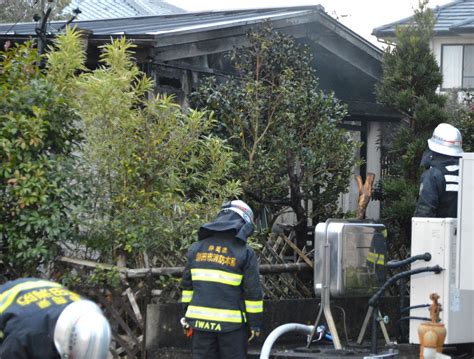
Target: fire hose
(279,331)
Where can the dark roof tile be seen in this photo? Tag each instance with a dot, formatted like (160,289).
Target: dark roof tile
(452,18)
(167,24)
(106,9)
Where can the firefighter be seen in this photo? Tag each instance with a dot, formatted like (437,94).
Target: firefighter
(221,291)
(40,319)
(438,196)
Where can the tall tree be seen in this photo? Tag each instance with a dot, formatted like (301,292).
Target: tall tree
(411,76)
(284,128)
(462,116)
(25,10)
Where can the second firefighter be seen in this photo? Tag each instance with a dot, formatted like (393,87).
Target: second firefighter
(221,291)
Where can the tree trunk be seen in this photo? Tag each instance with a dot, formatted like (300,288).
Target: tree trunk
(365,193)
(295,175)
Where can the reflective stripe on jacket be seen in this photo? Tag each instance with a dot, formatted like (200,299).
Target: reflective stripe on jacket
(29,309)
(221,285)
(439,187)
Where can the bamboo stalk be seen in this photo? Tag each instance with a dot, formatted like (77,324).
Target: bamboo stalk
(178,271)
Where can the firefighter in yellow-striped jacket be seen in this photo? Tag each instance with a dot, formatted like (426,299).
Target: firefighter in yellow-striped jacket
(40,319)
(221,291)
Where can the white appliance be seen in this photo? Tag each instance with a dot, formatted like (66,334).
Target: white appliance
(451,244)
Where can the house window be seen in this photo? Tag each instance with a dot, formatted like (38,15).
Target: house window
(458,66)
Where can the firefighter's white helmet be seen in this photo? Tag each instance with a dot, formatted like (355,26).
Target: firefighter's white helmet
(82,332)
(446,140)
(241,208)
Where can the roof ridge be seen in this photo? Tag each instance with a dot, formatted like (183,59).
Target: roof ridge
(144,6)
(135,5)
(121,8)
(150,5)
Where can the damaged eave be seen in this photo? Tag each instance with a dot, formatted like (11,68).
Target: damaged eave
(189,42)
(350,36)
(372,111)
(348,46)
(142,41)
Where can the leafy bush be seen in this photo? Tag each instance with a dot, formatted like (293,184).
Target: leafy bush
(93,162)
(37,138)
(283,128)
(154,173)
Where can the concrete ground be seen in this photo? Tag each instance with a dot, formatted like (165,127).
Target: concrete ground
(165,340)
(406,351)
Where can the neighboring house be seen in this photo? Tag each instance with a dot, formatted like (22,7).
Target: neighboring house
(178,50)
(106,9)
(452,43)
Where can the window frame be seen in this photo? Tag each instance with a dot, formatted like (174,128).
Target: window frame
(463,45)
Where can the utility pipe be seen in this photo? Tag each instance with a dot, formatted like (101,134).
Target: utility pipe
(279,331)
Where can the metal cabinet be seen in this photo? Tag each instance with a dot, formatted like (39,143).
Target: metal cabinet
(355,268)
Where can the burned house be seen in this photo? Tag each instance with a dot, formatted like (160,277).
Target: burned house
(179,50)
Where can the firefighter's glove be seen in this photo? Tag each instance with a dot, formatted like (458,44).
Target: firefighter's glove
(254,334)
(187,329)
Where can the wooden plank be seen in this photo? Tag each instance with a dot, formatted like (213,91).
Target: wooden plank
(285,268)
(136,309)
(124,347)
(115,316)
(276,287)
(114,353)
(268,291)
(90,264)
(284,278)
(298,251)
(299,286)
(365,193)
(271,267)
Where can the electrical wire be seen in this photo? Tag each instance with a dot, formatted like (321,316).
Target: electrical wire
(344,322)
(21,18)
(11,27)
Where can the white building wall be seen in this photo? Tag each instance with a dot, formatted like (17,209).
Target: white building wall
(348,201)
(374,157)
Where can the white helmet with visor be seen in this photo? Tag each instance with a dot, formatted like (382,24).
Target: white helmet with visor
(446,140)
(82,332)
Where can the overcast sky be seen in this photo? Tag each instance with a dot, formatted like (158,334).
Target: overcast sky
(361,16)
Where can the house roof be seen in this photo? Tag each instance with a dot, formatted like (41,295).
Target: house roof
(346,63)
(181,32)
(105,9)
(454,18)
(188,23)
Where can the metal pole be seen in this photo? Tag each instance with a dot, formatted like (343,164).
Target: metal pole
(401,325)
(375,314)
(41,27)
(368,316)
(326,297)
